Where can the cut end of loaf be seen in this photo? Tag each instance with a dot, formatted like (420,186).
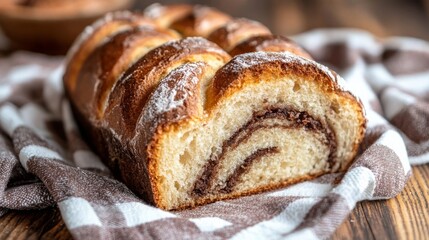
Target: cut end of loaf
(268,126)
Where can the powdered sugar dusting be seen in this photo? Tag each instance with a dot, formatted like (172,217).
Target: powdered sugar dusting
(170,95)
(89,30)
(192,43)
(166,97)
(237,23)
(199,41)
(233,25)
(154,10)
(267,43)
(249,60)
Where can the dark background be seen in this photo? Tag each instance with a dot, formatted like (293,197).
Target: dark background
(287,17)
(383,18)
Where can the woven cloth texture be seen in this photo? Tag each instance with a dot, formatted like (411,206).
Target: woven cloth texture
(45,162)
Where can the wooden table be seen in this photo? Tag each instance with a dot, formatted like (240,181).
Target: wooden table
(404,217)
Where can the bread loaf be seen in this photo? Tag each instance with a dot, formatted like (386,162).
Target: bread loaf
(183,123)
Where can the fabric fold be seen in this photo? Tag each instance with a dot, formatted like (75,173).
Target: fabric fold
(44,161)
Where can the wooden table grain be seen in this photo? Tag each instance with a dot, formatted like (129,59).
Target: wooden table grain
(403,217)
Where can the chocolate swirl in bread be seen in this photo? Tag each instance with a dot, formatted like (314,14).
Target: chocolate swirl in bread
(183,124)
(287,118)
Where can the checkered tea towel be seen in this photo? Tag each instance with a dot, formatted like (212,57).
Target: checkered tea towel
(45,162)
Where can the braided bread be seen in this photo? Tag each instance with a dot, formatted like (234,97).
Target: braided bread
(182,123)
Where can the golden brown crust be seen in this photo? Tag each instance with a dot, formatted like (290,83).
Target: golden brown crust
(103,67)
(93,36)
(269,43)
(164,15)
(133,89)
(237,71)
(271,187)
(201,21)
(236,31)
(359,108)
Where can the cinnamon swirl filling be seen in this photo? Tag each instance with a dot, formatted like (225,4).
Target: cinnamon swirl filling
(279,118)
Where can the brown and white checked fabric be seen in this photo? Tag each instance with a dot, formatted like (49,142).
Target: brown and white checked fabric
(43,160)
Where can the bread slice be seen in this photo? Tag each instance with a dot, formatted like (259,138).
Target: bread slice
(269,120)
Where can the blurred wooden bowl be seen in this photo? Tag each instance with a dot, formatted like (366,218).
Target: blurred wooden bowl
(51,26)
